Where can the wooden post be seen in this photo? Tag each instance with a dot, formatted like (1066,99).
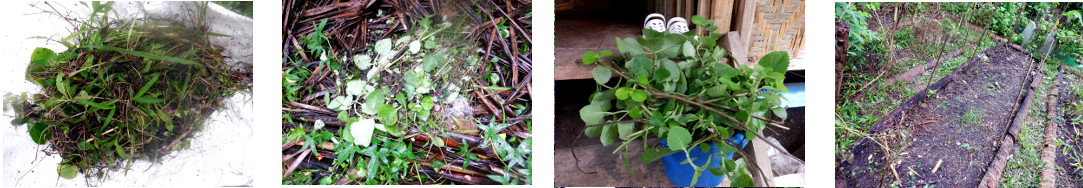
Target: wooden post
(731,41)
(722,14)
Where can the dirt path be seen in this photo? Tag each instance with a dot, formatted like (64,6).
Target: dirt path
(947,134)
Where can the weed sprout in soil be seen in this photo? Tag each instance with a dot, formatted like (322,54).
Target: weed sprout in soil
(123,90)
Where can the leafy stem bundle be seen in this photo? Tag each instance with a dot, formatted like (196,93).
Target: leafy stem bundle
(124,90)
(673,86)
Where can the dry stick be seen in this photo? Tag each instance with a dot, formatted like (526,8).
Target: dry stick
(659,94)
(296,162)
(175,141)
(769,121)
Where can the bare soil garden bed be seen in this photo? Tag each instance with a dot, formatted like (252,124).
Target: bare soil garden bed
(1070,153)
(947,134)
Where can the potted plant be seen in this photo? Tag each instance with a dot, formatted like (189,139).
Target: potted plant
(674,87)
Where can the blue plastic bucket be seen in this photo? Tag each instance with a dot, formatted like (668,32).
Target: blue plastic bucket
(681,175)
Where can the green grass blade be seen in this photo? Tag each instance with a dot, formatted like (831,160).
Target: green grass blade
(148,100)
(94,104)
(148,55)
(153,80)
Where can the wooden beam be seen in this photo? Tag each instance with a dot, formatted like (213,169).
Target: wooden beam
(732,43)
(746,15)
(759,151)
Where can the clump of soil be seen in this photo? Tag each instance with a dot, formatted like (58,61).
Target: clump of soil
(954,127)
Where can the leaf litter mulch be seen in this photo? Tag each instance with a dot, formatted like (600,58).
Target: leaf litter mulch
(947,134)
(386,92)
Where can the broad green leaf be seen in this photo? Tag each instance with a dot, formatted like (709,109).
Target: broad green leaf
(602,74)
(61,85)
(626,130)
(688,49)
(39,132)
(355,87)
(652,153)
(780,112)
(427,103)
(604,53)
(589,57)
(388,115)
(699,20)
(609,134)
(362,131)
(641,66)
(42,56)
(153,80)
(430,62)
(717,171)
(629,46)
(415,46)
(716,91)
(383,47)
(674,70)
(593,132)
(635,113)
(340,103)
(704,147)
(362,61)
(777,61)
(373,101)
(593,113)
(623,93)
(429,44)
(678,138)
(67,171)
(639,95)
(730,165)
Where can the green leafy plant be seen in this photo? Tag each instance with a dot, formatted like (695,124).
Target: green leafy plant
(674,86)
(389,100)
(124,90)
(860,34)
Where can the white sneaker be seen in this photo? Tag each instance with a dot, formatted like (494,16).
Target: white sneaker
(655,22)
(677,25)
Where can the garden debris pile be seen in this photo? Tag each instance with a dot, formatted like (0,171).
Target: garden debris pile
(124,90)
(397,92)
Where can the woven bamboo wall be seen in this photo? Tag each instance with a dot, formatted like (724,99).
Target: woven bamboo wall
(779,26)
